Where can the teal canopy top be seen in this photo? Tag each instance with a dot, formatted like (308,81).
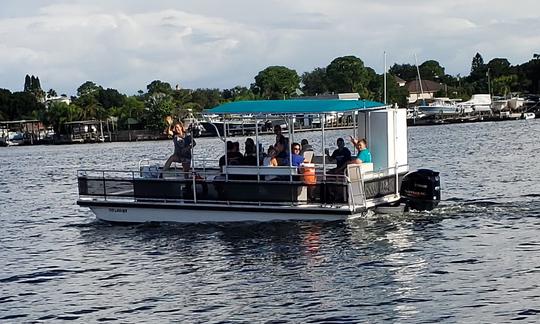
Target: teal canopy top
(307,106)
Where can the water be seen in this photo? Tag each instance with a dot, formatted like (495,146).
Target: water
(474,259)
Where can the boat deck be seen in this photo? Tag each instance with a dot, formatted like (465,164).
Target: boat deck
(237,187)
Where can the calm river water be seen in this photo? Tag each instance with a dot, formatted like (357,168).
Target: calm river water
(474,259)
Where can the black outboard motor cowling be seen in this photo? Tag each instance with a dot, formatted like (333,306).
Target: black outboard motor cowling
(421,189)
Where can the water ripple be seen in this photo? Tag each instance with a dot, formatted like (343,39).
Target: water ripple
(474,259)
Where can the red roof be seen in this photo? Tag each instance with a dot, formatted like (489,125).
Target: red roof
(427,86)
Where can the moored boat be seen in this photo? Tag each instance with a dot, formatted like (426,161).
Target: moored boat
(313,191)
(528,115)
(440,107)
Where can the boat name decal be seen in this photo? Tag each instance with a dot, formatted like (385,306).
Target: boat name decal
(118,210)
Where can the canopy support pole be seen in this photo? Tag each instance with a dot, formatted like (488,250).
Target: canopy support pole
(257,152)
(225,125)
(323,121)
(288,146)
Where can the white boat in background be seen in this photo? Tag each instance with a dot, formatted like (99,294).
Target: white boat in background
(440,107)
(508,104)
(478,104)
(236,193)
(413,113)
(528,115)
(15,138)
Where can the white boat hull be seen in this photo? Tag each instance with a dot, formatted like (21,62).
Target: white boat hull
(438,110)
(529,116)
(145,215)
(133,212)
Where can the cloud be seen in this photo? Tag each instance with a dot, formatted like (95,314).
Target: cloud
(127,44)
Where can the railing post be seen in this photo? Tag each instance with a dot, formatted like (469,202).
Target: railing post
(104,185)
(351,192)
(394,115)
(257,151)
(194,186)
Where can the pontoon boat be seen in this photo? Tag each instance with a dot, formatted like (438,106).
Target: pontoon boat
(236,193)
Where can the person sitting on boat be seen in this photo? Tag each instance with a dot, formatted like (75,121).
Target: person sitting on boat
(296,158)
(281,153)
(182,147)
(342,155)
(270,160)
(250,157)
(229,148)
(306,147)
(236,154)
(364,155)
(278,132)
(234,157)
(280,139)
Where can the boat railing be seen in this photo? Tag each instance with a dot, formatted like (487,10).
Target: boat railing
(198,163)
(190,188)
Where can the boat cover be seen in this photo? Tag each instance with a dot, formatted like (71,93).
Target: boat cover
(307,106)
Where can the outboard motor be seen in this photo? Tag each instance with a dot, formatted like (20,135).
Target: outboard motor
(421,189)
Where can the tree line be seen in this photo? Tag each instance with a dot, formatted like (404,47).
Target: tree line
(146,109)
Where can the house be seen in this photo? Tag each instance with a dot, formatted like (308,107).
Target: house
(400,81)
(427,91)
(340,96)
(65,99)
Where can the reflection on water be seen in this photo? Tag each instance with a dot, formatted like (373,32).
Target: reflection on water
(474,259)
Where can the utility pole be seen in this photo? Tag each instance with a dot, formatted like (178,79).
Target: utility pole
(419,78)
(384,78)
(489,83)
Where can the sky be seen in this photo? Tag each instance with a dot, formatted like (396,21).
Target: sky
(126,44)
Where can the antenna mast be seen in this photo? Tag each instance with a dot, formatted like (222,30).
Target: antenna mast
(384,77)
(419,79)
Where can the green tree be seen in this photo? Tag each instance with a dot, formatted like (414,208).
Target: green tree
(5,98)
(90,107)
(60,113)
(276,82)
(36,85)
(158,86)
(158,106)
(505,84)
(181,97)
(110,98)
(237,93)
(21,105)
(51,93)
(529,75)
(132,108)
(315,82)
(406,72)
(431,70)
(394,93)
(88,88)
(190,106)
(206,98)
(32,85)
(348,74)
(478,78)
(27,84)
(478,69)
(498,67)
